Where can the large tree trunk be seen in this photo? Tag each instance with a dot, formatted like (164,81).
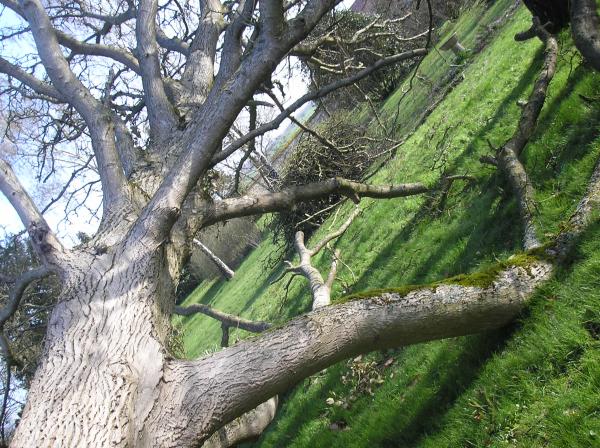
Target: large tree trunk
(104,356)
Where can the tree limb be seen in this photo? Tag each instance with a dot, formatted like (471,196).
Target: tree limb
(276,361)
(320,289)
(585,26)
(250,205)
(92,111)
(30,81)
(160,111)
(508,155)
(228,319)
(339,232)
(172,44)
(213,121)
(232,41)
(16,293)
(271,18)
(227,272)
(45,242)
(246,428)
(198,75)
(108,51)
(581,218)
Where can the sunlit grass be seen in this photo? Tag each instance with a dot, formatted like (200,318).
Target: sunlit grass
(536,383)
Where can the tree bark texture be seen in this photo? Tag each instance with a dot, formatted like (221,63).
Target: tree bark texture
(585,25)
(103,359)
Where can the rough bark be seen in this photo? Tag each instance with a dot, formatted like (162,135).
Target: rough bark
(250,425)
(585,25)
(103,357)
(252,205)
(106,377)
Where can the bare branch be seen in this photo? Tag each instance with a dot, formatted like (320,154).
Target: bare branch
(271,18)
(30,81)
(582,217)
(333,269)
(251,205)
(92,111)
(276,361)
(228,319)
(111,52)
(252,115)
(245,428)
(214,119)
(232,41)
(227,272)
(17,290)
(339,232)
(199,68)
(508,155)
(172,44)
(160,111)
(320,289)
(43,239)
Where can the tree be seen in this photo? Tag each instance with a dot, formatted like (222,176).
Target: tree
(157,126)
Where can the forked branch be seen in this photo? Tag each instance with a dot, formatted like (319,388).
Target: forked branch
(76,94)
(320,289)
(160,111)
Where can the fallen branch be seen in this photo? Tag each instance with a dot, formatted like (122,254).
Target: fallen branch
(228,319)
(320,289)
(508,156)
(227,272)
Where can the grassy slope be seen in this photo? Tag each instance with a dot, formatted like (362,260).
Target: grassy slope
(534,384)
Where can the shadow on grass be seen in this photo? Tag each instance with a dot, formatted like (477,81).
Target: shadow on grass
(459,372)
(290,419)
(211,293)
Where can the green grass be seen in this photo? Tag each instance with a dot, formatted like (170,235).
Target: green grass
(536,383)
